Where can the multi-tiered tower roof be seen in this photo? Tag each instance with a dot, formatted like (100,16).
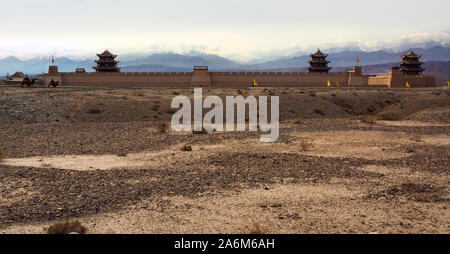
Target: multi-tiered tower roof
(411,64)
(318,62)
(106,62)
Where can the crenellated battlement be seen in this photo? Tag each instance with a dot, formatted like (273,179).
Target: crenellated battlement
(101,74)
(318,75)
(202,77)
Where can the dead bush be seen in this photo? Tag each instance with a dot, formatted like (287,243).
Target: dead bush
(186,148)
(122,154)
(306,144)
(390,116)
(171,111)
(2,154)
(410,150)
(319,112)
(138,93)
(66,228)
(368,119)
(256,228)
(162,127)
(94,111)
(416,138)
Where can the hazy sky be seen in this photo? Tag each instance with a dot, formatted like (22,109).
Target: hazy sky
(240,29)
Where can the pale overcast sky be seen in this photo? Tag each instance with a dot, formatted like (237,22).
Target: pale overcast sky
(240,29)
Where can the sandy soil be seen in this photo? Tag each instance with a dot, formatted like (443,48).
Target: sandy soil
(102,157)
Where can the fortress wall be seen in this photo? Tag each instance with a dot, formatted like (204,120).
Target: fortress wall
(127,79)
(415,81)
(189,79)
(274,79)
(379,80)
(397,79)
(237,79)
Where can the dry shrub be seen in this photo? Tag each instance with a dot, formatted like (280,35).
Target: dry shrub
(319,112)
(368,119)
(390,116)
(306,144)
(416,138)
(162,127)
(186,148)
(171,111)
(410,150)
(257,229)
(138,93)
(66,228)
(2,154)
(94,111)
(420,197)
(122,154)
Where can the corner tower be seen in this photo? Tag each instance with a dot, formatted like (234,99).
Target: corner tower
(319,63)
(410,65)
(106,62)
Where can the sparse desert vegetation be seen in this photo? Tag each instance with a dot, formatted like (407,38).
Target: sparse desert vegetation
(356,162)
(368,119)
(390,116)
(2,154)
(257,228)
(61,228)
(162,126)
(306,144)
(186,148)
(94,111)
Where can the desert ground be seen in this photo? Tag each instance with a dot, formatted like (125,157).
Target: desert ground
(347,160)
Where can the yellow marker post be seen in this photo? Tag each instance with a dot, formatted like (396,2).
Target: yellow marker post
(448,83)
(407,85)
(329,84)
(337,83)
(255,83)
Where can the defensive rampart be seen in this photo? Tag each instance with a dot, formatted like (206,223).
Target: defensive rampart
(201,77)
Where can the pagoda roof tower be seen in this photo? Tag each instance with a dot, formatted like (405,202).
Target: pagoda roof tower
(106,62)
(410,65)
(318,62)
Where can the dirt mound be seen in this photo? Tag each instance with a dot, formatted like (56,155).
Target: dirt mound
(413,191)
(108,105)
